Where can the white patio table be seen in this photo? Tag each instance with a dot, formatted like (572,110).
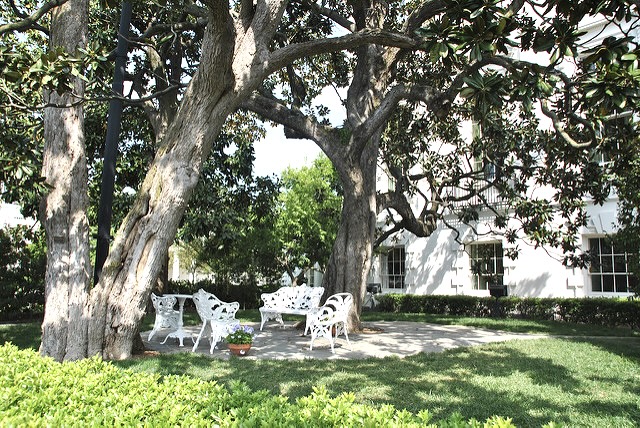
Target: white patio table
(180,334)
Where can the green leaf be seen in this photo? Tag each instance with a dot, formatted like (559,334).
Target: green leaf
(477,13)
(591,92)
(467,92)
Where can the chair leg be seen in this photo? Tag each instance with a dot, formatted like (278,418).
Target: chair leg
(153,332)
(328,334)
(195,346)
(262,320)
(346,334)
(216,335)
(307,326)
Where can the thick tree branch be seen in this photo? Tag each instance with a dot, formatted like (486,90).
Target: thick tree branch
(288,54)
(177,27)
(271,109)
(339,19)
(399,203)
(32,20)
(427,10)
(559,127)
(510,63)
(246,13)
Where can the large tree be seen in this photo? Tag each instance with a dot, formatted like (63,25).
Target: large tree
(64,209)
(411,103)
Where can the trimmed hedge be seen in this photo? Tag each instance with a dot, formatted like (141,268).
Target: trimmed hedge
(40,392)
(246,293)
(599,311)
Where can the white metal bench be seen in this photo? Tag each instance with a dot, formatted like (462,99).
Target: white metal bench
(221,317)
(298,300)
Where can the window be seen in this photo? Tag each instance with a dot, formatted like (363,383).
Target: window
(395,268)
(487,265)
(609,267)
(616,128)
(487,168)
(391,184)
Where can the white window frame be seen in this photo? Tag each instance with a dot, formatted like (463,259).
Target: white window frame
(399,268)
(609,271)
(493,265)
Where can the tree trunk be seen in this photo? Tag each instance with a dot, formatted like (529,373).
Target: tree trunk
(141,244)
(352,252)
(64,208)
(162,283)
(350,259)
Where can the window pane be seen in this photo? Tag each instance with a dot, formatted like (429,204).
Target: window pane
(482,283)
(596,283)
(607,283)
(619,263)
(607,264)
(621,283)
(605,246)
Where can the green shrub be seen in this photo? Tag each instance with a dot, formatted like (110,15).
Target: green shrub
(536,308)
(597,311)
(40,392)
(462,305)
(246,293)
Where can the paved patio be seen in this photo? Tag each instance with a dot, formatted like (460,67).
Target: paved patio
(380,339)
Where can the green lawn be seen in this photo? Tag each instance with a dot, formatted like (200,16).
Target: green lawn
(576,381)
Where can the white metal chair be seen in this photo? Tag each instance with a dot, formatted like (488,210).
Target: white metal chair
(218,314)
(330,320)
(166,315)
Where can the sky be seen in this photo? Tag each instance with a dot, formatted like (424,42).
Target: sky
(275,153)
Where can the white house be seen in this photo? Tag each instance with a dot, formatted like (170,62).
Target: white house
(439,264)
(10,216)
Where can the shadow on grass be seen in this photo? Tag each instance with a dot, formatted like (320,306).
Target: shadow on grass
(24,335)
(514,325)
(573,383)
(579,381)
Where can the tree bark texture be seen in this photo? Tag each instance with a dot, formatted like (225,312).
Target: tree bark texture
(64,208)
(350,259)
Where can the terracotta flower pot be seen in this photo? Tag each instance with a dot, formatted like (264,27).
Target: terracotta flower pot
(239,349)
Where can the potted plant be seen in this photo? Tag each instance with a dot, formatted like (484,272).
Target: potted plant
(240,339)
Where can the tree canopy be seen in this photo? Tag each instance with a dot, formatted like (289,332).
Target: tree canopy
(309,215)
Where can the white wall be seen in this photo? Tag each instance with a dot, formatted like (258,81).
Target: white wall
(440,265)
(10,216)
